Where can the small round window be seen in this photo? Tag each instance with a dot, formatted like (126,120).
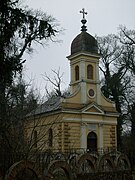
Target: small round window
(91,93)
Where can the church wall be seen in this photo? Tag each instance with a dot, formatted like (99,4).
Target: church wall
(80,125)
(70,131)
(71,136)
(106,135)
(66,135)
(106,102)
(75,98)
(109,132)
(92,117)
(41,126)
(104,127)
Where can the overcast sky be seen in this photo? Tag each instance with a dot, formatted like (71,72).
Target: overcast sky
(104,17)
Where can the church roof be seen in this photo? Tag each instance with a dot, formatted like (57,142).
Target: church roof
(84,42)
(50,105)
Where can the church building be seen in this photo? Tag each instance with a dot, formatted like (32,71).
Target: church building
(85,119)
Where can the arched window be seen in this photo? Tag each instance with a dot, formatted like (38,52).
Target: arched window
(35,139)
(50,137)
(92,141)
(76,73)
(89,71)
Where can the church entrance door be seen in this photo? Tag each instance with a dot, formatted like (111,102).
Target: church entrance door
(92,141)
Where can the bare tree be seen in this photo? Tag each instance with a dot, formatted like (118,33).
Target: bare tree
(56,82)
(126,36)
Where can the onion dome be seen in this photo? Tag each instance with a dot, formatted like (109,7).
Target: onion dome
(84,41)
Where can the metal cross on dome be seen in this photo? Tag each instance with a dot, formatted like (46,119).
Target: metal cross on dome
(83,12)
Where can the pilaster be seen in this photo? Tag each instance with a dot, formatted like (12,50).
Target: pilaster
(83,136)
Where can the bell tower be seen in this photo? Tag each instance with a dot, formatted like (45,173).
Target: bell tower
(84,65)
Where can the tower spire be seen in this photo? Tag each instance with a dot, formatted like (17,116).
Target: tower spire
(83,20)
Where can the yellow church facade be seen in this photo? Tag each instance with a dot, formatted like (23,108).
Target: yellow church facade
(83,120)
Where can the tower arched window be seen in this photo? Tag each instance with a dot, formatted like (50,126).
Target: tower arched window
(76,73)
(89,71)
(50,137)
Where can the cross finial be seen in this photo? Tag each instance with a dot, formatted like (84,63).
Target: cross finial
(83,20)
(83,12)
